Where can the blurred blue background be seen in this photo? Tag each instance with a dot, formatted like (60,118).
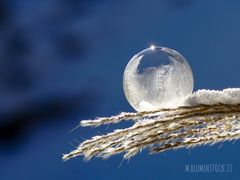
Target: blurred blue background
(62,61)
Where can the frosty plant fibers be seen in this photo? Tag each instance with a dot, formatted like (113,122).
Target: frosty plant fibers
(158,83)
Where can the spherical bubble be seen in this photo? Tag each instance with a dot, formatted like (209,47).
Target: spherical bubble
(157,77)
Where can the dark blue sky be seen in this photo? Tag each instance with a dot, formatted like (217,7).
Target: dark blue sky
(63,60)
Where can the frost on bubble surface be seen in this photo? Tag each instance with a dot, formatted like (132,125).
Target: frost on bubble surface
(157,77)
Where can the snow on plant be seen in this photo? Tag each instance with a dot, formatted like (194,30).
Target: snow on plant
(158,83)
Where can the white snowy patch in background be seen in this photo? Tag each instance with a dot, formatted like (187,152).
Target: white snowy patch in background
(209,97)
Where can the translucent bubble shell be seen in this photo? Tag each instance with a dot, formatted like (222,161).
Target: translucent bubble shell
(157,77)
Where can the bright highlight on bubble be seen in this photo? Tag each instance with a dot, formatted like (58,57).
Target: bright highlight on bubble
(157,77)
(152,47)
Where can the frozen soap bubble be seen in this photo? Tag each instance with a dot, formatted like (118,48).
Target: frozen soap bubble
(157,77)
